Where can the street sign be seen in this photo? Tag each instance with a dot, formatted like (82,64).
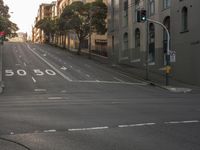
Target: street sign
(2,33)
(172,56)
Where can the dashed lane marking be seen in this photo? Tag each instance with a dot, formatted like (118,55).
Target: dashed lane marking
(136,125)
(118,126)
(34,80)
(60,73)
(87,129)
(54,98)
(49,131)
(40,90)
(182,122)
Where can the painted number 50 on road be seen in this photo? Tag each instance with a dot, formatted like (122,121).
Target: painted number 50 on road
(21,72)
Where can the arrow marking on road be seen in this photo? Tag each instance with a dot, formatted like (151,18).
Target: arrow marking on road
(63,68)
(60,73)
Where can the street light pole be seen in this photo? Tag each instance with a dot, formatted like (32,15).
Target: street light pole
(168,68)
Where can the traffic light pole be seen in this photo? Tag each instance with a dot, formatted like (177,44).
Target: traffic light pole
(168,68)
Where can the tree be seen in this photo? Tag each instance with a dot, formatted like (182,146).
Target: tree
(5,24)
(49,26)
(84,19)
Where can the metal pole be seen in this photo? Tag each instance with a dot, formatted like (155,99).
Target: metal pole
(147,44)
(168,50)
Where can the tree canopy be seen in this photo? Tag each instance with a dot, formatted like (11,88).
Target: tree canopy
(84,18)
(5,24)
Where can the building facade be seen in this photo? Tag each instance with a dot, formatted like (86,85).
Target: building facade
(144,45)
(45,10)
(186,40)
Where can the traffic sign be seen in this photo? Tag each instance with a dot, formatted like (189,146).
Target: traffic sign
(172,56)
(2,33)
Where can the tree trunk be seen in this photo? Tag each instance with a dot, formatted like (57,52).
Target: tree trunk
(79,47)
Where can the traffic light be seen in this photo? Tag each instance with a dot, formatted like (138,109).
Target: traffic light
(141,16)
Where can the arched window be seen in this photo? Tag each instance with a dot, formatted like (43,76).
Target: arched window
(151,7)
(125,13)
(125,39)
(137,38)
(151,42)
(184,19)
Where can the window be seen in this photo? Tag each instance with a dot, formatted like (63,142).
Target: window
(137,38)
(184,19)
(125,13)
(137,2)
(151,42)
(166,22)
(166,4)
(152,7)
(125,39)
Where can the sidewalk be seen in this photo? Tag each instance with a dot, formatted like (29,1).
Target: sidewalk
(156,79)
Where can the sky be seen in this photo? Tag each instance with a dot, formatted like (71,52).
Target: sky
(23,12)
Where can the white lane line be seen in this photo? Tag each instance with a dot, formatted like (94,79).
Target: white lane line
(87,129)
(33,79)
(49,131)
(40,90)
(182,122)
(60,73)
(136,125)
(54,98)
(108,82)
(118,79)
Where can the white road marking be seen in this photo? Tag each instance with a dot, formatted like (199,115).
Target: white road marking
(60,73)
(63,68)
(33,79)
(24,64)
(63,91)
(54,98)
(87,129)
(49,131)
(182,122)
(118,79)
(40,90)
(136,125)
(17,64)
(12,133)
(108,82)
(44,55)
(88,75)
